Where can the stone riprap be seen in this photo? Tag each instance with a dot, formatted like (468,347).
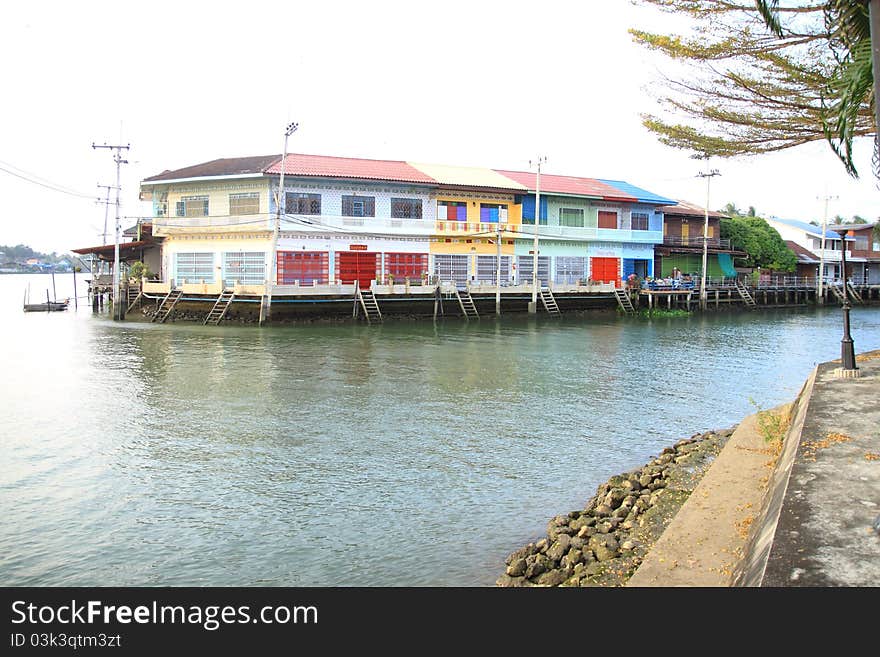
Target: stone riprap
(603,544)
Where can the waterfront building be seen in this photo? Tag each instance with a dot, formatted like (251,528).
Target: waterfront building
(349,220)
(863,252)
(809,238)
(682,247)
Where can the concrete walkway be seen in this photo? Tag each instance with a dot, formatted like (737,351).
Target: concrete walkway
(805,521)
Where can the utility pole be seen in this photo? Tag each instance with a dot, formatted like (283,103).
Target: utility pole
(106,203)
(704,295)
(498,270)
(118,306)
(820,290)
(533,306)
(280,208)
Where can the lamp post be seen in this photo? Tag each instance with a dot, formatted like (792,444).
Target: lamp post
(704,295)
(266,305)
(533,306)
(847,349)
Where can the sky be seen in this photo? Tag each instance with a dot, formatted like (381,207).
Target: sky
(489,83)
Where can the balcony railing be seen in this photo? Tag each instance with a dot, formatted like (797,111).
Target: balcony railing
(712,242)
(170,225)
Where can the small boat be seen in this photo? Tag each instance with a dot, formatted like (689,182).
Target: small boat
(46,307)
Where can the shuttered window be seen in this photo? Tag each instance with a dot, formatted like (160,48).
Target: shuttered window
(570,269)
(607,219)
(572,217)
(244,267)
(452,268)
(244,203)
(193,268)
(487,269)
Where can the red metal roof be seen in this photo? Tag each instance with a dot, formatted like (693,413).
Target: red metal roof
(346,167)
(554,184)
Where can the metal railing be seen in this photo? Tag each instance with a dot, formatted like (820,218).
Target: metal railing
(713,242)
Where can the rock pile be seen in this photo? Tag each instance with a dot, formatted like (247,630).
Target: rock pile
(603,544)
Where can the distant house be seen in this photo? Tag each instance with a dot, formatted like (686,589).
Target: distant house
(809,237)
(863,252)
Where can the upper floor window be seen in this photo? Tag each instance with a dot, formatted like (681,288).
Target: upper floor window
(573,217)
(358,206)
(406,208)
(452,210)
(640,221)
(607,219)
(493,212)
(244,203)
(192,206)
(295,203)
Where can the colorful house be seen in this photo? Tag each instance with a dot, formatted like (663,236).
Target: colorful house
(682,248)
(377,222)
(809,237)
(863,252)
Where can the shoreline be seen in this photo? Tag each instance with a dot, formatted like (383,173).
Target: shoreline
(604,543)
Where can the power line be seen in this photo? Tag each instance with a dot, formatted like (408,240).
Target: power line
(42,182)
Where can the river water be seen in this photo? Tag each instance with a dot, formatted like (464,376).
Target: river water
(339,454)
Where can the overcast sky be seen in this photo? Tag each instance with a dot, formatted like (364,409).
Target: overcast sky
(473,83)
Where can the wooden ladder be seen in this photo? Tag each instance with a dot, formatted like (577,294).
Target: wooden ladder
(549,301)
(466,301)
(624,301)
(366,300)
(745,295)
(220,308)
(167,305)
(837,292)
(135,294)
(854,293)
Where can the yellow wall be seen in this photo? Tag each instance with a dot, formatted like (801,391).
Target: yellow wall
(217,192)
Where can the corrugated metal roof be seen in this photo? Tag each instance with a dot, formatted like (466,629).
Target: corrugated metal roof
(846,227)
(807,228)
(554,184)
(227,166)
(803,255)
(447,174)
(686,209)
(642,195)
(296,164)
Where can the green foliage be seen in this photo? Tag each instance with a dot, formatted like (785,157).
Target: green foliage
(772,424)
(21,252)
(765,248)
(139,270)
(664,312)
(749,90)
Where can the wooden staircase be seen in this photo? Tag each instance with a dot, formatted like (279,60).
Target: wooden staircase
(466,301)
(135,294)
(854,294)
(549,301)
(220,308)
(837,292)
(624,301)
(745,295)
(167,305)
(366,300)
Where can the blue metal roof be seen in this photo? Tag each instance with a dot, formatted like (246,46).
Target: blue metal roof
(642,195)
(809,228)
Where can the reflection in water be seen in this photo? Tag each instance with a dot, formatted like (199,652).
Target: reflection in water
(410,453)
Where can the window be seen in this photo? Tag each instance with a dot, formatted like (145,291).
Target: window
(406,265)
(451,211)
(244,267)
(307,267)
(358,206)
(607,219)
(406,208)
(192,206)
(244,203)
(492,213)
(573,217)
(640,221)
(302,203)
(570,269)
(193,268)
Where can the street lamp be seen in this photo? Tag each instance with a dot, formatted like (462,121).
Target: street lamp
(847,349)
(704,295)
(533,306)
(280,207)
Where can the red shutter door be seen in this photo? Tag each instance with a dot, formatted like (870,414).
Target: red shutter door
(406,265)
(606,270)
(356,266)
(307,267)
(607,219)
